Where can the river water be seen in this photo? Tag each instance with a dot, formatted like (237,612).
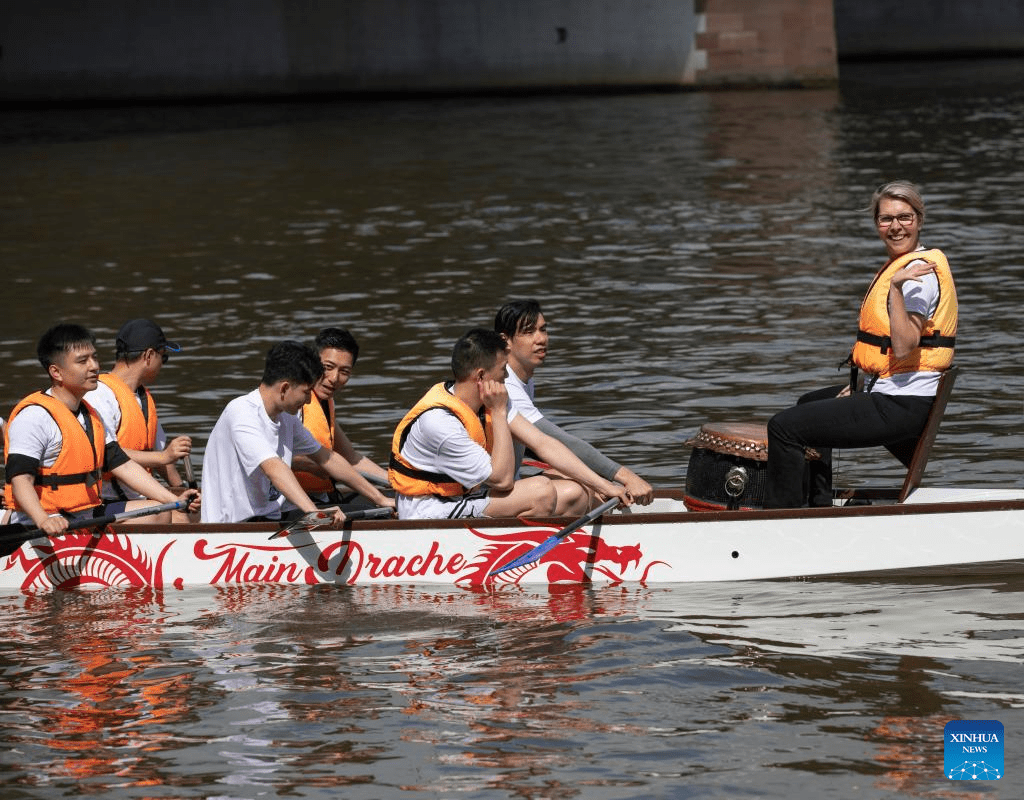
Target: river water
(700,258)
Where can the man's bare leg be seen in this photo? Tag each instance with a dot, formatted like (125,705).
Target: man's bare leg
(530,497)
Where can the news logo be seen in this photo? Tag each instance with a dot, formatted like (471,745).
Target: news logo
(973,750)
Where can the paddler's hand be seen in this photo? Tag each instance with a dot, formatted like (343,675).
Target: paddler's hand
(337,518)
(639,489)
(54,525)
(616,490)
(195,500)
(386,502)
(177,449)
(493,395)
(914,271)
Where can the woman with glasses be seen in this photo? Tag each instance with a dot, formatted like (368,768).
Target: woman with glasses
(905,340)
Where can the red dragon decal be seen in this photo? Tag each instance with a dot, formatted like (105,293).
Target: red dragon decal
(574,560)
(88,559)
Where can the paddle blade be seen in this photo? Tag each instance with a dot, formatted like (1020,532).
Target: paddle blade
(308,522)
(528,558)
(537,552)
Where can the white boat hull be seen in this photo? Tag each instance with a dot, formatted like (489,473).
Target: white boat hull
(939,532)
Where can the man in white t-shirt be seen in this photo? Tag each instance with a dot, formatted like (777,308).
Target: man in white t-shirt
(57,448)
(125,405)
(524,327)
(447,462)
(338,351)
(247,473)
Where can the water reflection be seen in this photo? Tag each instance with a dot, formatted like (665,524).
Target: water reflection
(406,689)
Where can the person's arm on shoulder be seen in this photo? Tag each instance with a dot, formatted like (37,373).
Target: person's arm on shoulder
(905,326)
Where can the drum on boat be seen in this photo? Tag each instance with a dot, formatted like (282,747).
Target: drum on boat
(728,467)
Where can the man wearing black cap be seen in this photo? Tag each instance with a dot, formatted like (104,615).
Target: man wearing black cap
(126,406)
(58,450)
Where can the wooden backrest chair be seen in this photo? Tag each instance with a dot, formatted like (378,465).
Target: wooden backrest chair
(915,469)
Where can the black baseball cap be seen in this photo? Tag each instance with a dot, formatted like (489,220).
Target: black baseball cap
(141,334)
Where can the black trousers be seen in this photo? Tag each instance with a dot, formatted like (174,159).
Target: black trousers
(822,421)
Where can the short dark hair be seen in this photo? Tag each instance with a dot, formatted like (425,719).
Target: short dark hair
(60,339)
(903,190)
(294,362)
(337,339)
(516,317)
(476,348)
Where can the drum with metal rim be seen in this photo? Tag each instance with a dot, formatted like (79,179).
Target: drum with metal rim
(728,467)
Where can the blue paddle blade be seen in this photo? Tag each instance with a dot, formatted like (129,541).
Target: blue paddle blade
(549,543)
(529,557)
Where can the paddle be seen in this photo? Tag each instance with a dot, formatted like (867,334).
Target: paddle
(380,483)
(548,544)
(318,518)
(15,535)
(377,512)
(190,476)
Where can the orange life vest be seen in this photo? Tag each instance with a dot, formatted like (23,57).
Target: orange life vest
(407,479)
(74,482)
(321,425)
(137,429)
(934,353)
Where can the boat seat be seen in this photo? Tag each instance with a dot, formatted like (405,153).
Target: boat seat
(923,449)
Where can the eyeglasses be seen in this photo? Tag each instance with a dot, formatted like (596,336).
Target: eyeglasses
(164,356)
(885,220)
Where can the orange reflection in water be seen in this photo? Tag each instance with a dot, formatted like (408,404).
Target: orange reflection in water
(116,703)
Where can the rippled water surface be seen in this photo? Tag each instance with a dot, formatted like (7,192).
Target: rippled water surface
(728,690)
(700,258)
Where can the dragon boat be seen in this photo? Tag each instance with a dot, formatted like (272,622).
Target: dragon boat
(934,532)
(715,529)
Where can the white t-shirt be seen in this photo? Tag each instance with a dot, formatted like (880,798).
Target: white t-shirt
(103,399)
(36,434)
(521,395)
(234,487)
(439,442)
(919,298)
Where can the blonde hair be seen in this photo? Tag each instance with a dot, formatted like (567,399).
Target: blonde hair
(906,191)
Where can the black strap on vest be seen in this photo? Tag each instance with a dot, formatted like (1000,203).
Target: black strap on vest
(421,474)
(53,481)
(144,403)
(88,478)
(884,343)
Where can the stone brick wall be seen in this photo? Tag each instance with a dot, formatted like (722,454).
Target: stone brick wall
(756,43)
